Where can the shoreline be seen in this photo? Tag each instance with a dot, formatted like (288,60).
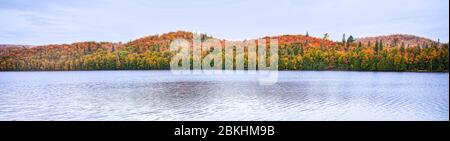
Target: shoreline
(446,71)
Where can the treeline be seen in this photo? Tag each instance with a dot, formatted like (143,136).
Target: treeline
(296,52)
(357,57)
(89,56)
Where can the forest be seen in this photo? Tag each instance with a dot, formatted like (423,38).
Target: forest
(296,52)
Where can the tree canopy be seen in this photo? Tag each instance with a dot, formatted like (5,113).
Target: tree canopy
(296,52)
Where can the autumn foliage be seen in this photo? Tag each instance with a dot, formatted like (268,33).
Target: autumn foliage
(296,52)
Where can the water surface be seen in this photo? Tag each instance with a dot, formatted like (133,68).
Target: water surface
(160,95)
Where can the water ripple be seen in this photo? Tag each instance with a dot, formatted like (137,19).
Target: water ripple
(159,95)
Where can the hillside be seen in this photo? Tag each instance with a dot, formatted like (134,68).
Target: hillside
(14,46)
(162,41)
(296,52)
(398,40)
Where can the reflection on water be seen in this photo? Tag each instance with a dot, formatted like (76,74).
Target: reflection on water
(159,95)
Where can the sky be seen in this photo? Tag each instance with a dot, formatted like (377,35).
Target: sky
(32,22)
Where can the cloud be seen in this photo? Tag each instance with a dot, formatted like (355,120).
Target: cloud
(48,21)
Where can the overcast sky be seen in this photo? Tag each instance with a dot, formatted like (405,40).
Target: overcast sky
(38,22)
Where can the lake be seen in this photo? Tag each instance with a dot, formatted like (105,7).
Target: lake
(161,95)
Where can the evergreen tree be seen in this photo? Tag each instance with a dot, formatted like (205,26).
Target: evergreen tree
(343,39)
(350,40)
(326,36)
(376,47)
(380,45)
